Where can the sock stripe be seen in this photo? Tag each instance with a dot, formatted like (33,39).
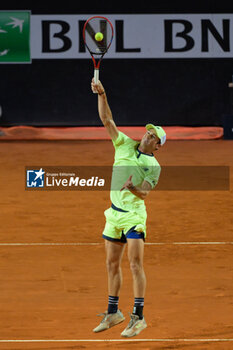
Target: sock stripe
(113,300)
(138,307)
(112,304)
(139,302)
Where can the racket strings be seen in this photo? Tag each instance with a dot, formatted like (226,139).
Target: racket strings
(93,26)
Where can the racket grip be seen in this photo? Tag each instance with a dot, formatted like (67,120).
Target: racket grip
(96,75)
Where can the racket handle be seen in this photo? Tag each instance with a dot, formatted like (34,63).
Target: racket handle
(96,75)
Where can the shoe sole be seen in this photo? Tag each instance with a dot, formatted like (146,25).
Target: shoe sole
(104,329)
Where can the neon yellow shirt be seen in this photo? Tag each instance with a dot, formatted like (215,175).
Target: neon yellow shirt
(130,161)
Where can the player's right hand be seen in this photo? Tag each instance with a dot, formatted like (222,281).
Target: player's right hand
(128,184)
(97,88)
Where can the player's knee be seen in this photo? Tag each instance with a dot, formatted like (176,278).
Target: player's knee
(113,266)
(136,266)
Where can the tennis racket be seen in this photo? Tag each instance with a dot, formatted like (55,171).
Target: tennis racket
(97,48)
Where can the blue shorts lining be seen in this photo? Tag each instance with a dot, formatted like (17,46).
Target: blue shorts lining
(121,240)
(136,235)
(131,234)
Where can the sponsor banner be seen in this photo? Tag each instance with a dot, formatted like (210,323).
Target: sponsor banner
(15,37)
(99,178)
(137,36)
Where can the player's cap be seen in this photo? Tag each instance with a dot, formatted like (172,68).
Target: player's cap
(159,131)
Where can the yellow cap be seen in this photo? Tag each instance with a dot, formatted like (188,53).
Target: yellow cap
(158,131)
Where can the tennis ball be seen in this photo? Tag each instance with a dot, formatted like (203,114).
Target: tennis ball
(99,36)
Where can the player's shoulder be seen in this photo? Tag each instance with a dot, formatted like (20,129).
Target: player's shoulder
(122,138)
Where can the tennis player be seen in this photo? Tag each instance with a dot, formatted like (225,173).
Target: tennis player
(135,174)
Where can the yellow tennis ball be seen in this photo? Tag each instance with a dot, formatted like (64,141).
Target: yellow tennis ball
(99,36)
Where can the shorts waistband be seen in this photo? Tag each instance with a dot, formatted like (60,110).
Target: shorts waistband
(118,209)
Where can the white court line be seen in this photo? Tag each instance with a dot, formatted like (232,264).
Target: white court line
(110,340)
(95,244)
(192,243)
(49,244)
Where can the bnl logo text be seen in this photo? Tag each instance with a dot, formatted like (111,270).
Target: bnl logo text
(172,30)
(35,178)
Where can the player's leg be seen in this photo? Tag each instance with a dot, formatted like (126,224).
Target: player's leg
(114,254)
(136,256)
(114,247)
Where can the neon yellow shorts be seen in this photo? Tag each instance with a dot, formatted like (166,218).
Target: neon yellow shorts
(122,225)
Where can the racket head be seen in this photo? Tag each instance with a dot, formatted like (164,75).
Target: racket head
(96,48)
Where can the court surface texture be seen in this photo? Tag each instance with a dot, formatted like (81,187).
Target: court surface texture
(52,259)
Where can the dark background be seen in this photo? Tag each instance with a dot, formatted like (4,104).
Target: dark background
(163,91)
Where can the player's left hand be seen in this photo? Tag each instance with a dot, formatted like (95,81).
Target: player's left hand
(128,184)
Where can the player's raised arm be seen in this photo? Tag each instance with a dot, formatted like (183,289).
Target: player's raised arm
(104,109)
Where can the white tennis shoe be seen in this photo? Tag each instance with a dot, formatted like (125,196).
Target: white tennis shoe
(134,327)
(109,321)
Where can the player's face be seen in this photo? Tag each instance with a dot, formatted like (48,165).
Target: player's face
(150,140)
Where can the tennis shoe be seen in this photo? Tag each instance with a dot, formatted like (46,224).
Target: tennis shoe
(109,321)
(134,327)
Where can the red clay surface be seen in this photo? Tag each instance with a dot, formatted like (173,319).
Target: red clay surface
(55,292)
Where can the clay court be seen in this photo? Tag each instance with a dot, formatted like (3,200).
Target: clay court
(53,278)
